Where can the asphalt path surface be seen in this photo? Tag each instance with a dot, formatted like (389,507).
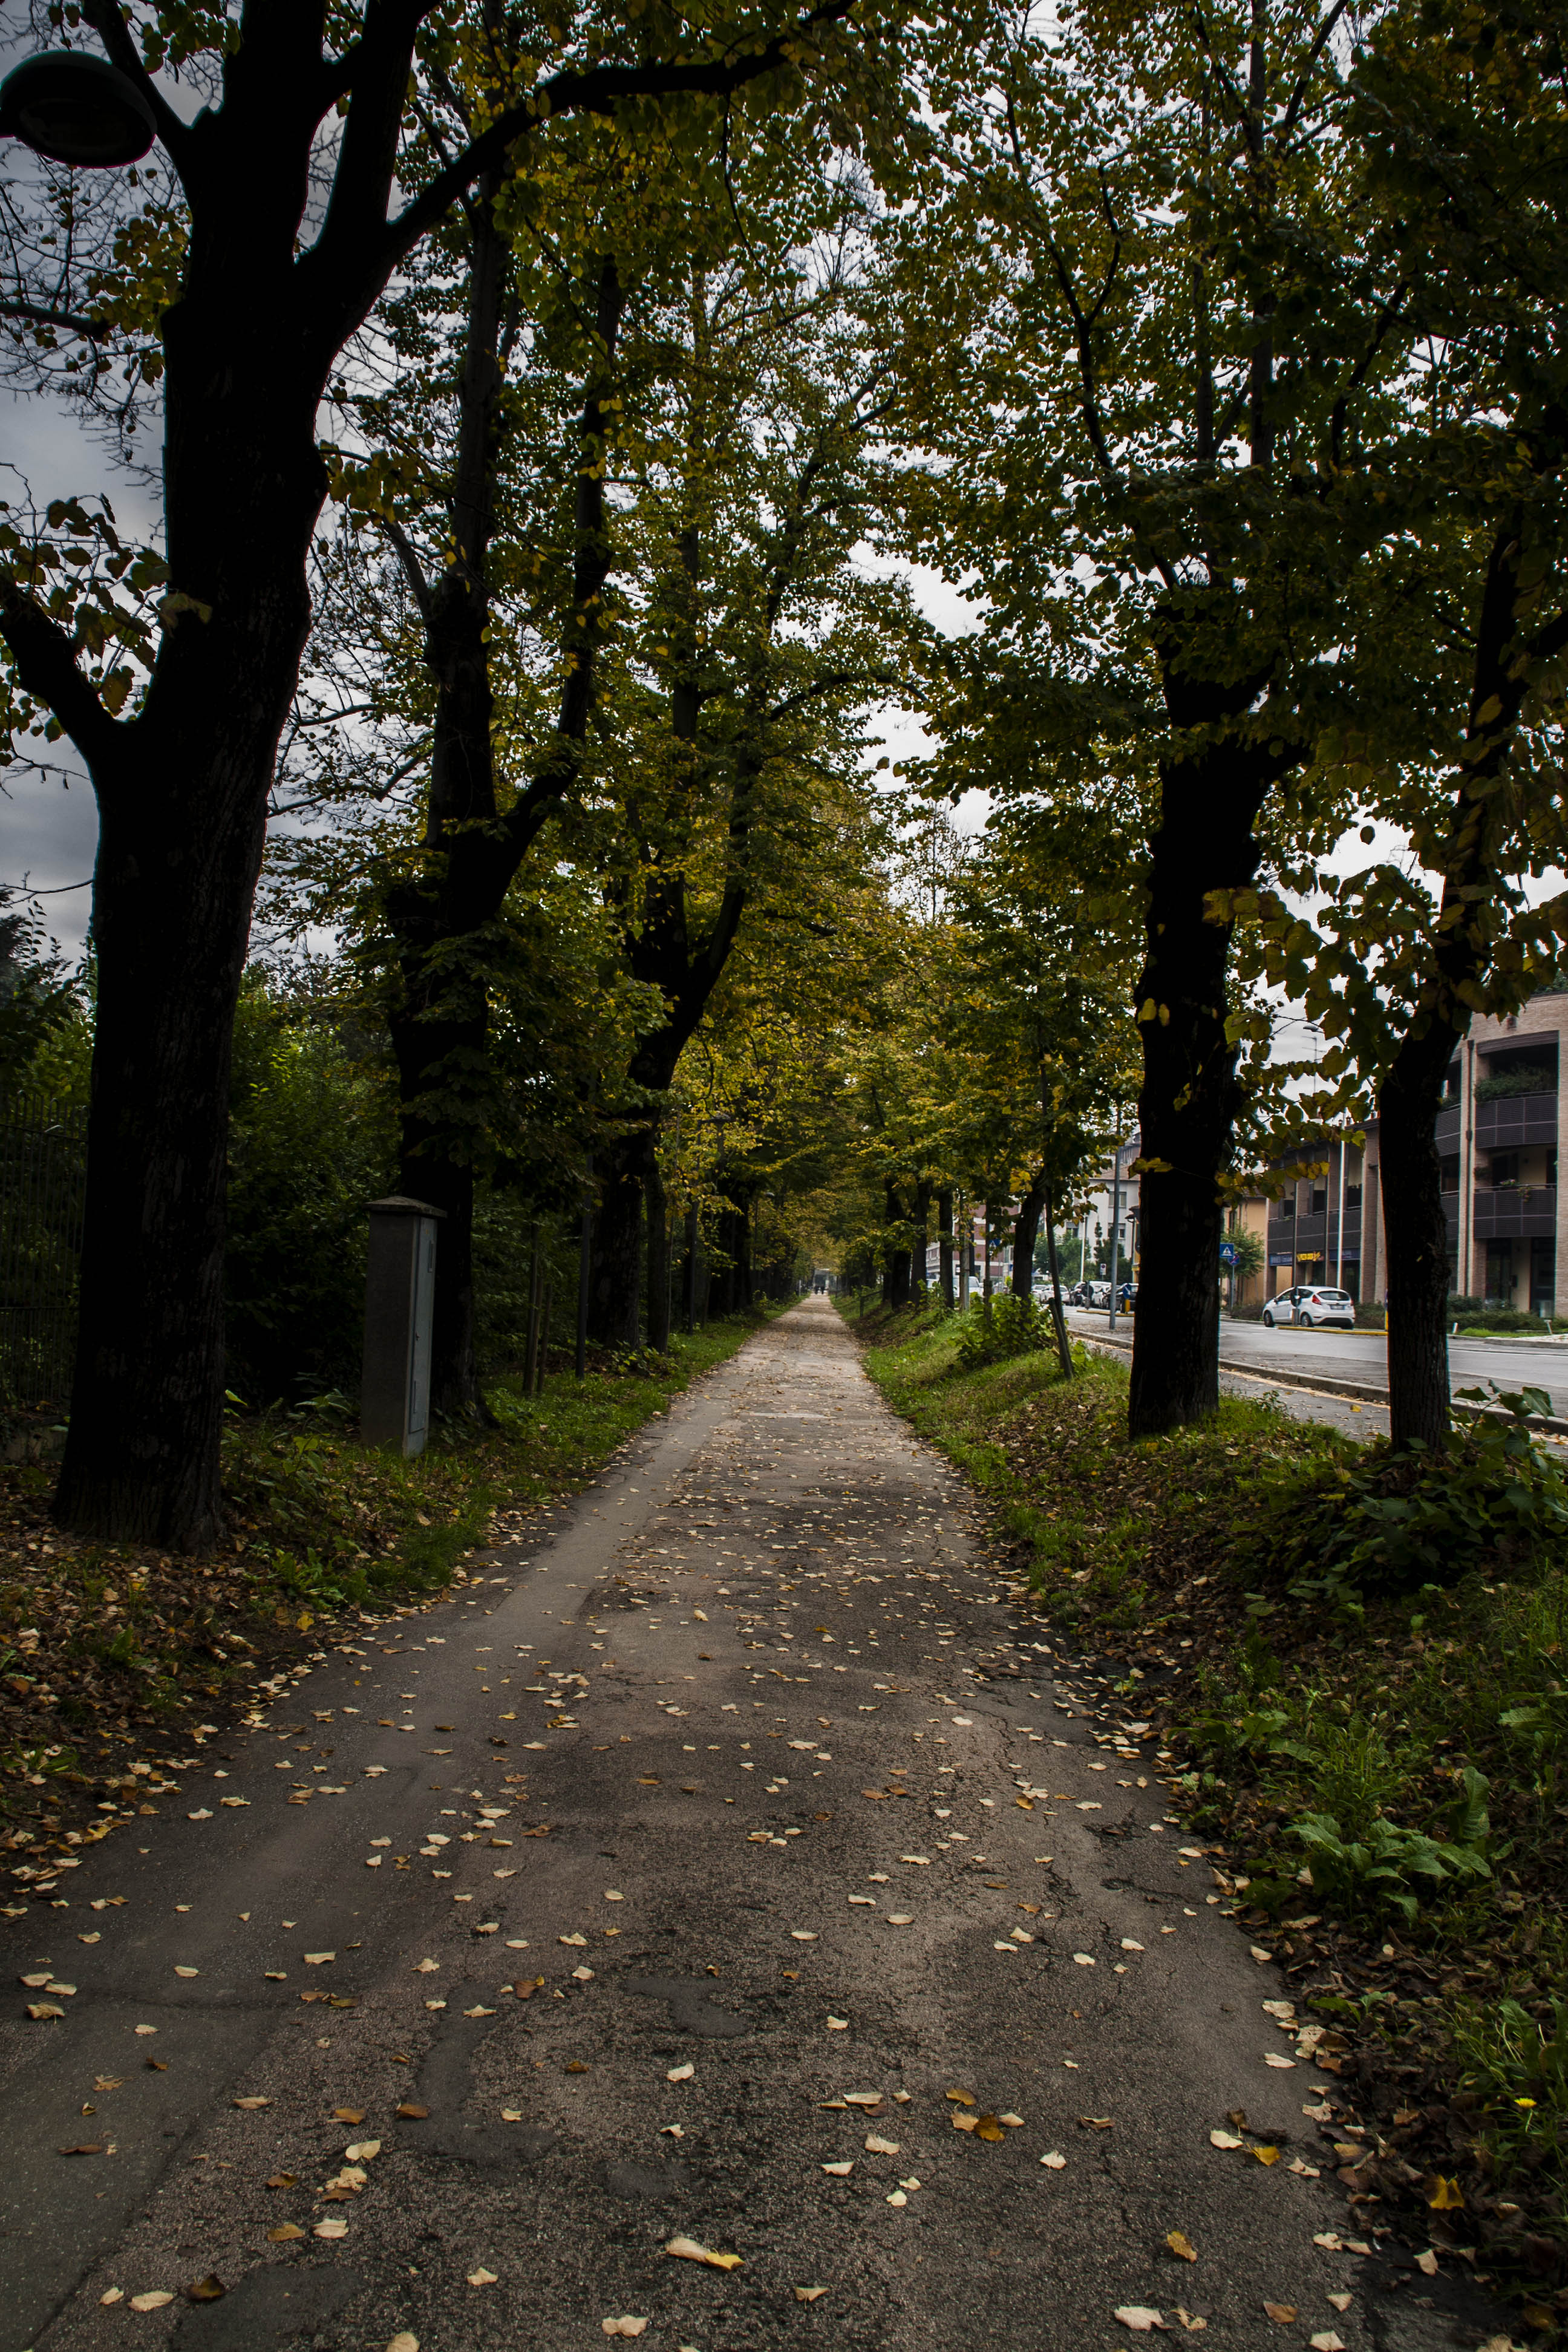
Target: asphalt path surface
(689,1879)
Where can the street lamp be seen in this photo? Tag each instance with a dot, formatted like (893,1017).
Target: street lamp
(76,109)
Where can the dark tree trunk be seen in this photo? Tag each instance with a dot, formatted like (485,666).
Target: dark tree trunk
(721,1281)
(1188,1104)
(944,1245)
(615,1300)
(917,1251)
(689,1270)
(170,930)
(181,811)
(1416,1237)
(745,1284)
(1025,1227)
(1416,1230)
(428,1170)
(658,1259)
(1058,1319)
(440,1026)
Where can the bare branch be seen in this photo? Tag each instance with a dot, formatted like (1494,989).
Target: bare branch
(109,23)
(1299,95)
(65,319)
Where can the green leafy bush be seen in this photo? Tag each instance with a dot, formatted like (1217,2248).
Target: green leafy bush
(1530,1078)
(1382,1869)
(1008,1325)
(310,1145)
(1391,1522)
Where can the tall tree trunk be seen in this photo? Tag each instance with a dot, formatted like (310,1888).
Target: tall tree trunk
(1025,1227)
(440,1024)
(429,1170)
(1416,1237)
(944,1245)
(615,1300)
(918,1250)
(657,1258)
(170,921)
(1189,1097)
(1058,1319)
(689,1270)
(744,1275)
(718,1267)
(182,798)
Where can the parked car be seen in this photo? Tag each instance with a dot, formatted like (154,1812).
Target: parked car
(1311,1305)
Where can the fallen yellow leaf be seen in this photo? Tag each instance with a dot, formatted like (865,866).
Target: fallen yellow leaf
(1283,2315)
(1442,2196)
(687,2249)
(1181,2247)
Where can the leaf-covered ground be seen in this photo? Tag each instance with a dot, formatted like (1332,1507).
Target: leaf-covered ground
(116,1660)
(1376,1780)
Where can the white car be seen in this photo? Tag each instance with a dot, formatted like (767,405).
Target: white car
(1310,1305)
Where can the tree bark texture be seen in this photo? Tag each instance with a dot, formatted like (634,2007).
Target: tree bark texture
(442,921)
(657,1258)
(614,1299)
(688,1269)
(1416,1234)
(1058,1319)
(1189,1100)
(1025,1228)
(1416,1237)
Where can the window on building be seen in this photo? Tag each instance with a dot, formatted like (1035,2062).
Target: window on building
(1285,1211)
(1451,1171)
(1504,1169)
(1451,1083)
(1320,1199)
(1353,1191)
(1542,1275)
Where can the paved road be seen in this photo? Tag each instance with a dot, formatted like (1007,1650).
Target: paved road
(1363,1355)
(749,1778)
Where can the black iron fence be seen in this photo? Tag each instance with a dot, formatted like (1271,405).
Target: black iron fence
(43,1163)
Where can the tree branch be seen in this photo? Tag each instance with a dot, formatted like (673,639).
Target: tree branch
(109,23)
(596,92)
(47,665)
(36,316)
(1299,95)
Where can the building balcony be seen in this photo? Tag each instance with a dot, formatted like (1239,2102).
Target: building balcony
(1446,1130)
(1515,1120)
(1516,1213)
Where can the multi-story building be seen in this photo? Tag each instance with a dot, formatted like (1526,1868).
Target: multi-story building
(1498,1135)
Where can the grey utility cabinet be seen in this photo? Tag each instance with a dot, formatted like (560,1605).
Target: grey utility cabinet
(399,1312)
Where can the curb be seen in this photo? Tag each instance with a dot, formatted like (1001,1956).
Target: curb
(1359,1391)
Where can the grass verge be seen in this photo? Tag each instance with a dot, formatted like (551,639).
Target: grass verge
(1356,1675)
(114,1656)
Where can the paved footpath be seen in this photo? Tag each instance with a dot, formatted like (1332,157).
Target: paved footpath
(690,1881)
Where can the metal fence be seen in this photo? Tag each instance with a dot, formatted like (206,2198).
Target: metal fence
(43,1164)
